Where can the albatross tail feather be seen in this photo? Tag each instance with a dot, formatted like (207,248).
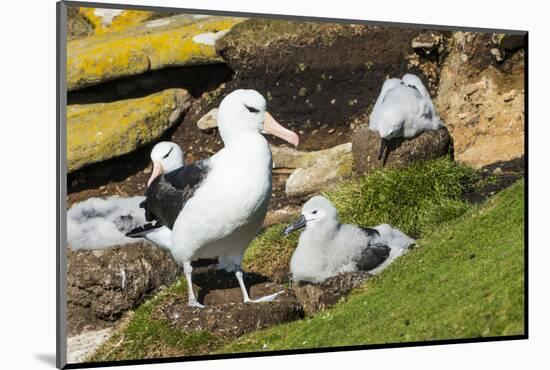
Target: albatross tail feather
(141,231)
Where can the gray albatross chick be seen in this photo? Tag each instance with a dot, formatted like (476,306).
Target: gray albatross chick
(327,248)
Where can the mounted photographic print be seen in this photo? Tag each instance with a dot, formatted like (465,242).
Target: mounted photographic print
(240,185)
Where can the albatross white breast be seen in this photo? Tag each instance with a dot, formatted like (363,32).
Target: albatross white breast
(216,207)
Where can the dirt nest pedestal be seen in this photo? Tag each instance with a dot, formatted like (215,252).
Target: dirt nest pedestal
(428,145)
(317,297)
(103,284)
(225,315)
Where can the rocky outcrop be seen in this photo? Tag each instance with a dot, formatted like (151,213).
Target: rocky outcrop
(103,284)
(314,171)
(96,132)
(80,346)
(78,25)
(481,101)
(156,44)
(428,145)
(108,20)
(209,120)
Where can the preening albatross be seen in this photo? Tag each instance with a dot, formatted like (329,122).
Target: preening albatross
(403,109)
(215,207)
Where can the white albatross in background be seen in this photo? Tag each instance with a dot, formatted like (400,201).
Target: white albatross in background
(327,248)
(403,109)
(215,207)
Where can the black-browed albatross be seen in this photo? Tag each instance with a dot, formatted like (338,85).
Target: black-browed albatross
(215,207)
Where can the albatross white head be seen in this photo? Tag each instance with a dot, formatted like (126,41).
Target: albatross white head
(166,157)
(318,212)
(244,111)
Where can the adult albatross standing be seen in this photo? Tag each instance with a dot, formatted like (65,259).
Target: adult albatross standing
(215,207)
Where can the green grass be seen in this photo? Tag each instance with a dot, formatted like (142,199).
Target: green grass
(414,199)
(464,280)
(144,336)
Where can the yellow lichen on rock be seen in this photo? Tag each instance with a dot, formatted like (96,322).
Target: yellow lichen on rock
(153,45)
(124,19)
(100,131)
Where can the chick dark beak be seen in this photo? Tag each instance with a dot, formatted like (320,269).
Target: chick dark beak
(297,225)
(383,148)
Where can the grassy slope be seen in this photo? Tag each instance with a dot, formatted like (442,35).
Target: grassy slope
(464,280)
(437,291)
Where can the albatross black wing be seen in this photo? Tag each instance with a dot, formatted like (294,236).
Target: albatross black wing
(141,231)
(168,193)
(369,231)
(373,256)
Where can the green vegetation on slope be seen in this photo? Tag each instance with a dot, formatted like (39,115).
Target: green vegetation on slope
(414,199)
(144,336)
(464,280)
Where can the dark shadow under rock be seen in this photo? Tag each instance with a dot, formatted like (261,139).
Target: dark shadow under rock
(103,284)
(226,316)
(495,178)
(316,297)
(428,145)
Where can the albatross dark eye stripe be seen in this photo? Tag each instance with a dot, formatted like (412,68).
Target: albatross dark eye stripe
(167,154)
(251,109)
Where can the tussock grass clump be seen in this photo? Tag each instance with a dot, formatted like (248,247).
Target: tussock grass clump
(143,336)
(415,198)
(269,254)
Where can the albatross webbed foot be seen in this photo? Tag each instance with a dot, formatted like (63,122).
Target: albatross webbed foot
(267,298)
(246,297)
(194,303)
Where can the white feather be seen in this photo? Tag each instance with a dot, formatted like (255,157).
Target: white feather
(403,109)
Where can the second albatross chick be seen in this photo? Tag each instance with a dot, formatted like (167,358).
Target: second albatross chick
(402,110)
(215,207)
(327,248)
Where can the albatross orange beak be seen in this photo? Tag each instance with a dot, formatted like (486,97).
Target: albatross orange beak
(157,171)
(274,128)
